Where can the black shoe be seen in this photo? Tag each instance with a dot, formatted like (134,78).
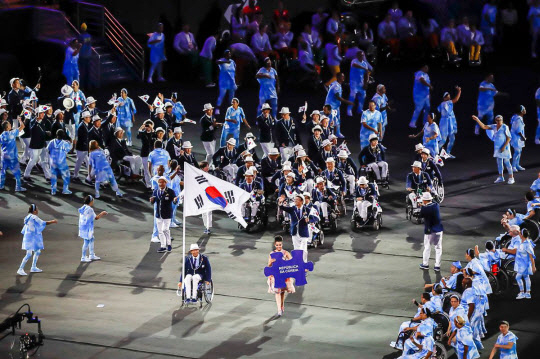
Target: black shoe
(169,248)
(76,179)
(28,179)
(88,182)
(162,250)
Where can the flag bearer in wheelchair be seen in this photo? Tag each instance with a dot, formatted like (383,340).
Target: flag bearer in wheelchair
(197,268)
(429,166)
(417,182)
(350,172)
(324,199)
(335,178)
(373,157)
(366,196)
(256,195)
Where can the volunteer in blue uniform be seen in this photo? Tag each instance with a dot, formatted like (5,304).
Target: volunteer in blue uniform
(486,101)
(381,102)
(227,78)
(357,79)
(71,61)
(371,123)
(269,87)
(233,118)
(500,135)
(421,89)
(58,150)
(448,122)
(517,132)
(433,231)
(156,43)
(9,156)
(334,98)
(431,135)
(125,112)
(506,343)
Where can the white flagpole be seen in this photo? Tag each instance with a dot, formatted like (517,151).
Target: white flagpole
(183,240)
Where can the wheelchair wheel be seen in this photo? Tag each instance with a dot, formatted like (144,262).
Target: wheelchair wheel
(504,282)
(443,321)
(376,225)
(493,282)
(508,267)
(208,292)
(533,228)
(333,224)
(439,351)
(505,240)
(321,238)
(408,212)
(439,190)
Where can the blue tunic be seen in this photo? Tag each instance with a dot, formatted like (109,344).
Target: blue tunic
(465,337)
(380,102)
(335,89)
(499,139)
(431,130)
(227,73)
(517,129)
(448,123)
(9,145)
(157,50)
(420,91)
(58,150)
(523,264)
(267,88)
(372,119)
(157,157)
(125,111)
(233,114)
(505,340)
(86,222)
(486,101)
(32,237)
(100,165)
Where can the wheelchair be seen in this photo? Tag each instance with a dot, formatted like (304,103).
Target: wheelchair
(317,237)
(331,224)
(372,178)
(260,220)
(204,291)
(503,280)
(374,218)
(439,348)
(411,213)
(219,173)
(282,217)
(341,206)
(438,190)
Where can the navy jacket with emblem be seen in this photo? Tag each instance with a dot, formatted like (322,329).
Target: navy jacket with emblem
(299,226)
(203,268)
(164,202)
(432,218)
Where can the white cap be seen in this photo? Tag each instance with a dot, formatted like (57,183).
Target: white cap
(298,148)
(168,104)
(163,178)
(160,129)
(426,196)
(284,110)
(315,112)
(231,141)
(249,172)
(373,137)
(90,100)
(316,128)
(301,153)
(265,106)
(291,174)
(326,143)
(418,147)
(66,90)
(96,118)
(249,135)
(363,180)
(417,164)
(57,112)
(319,180)
(178,130)
(41,109)
(248,159)
(193,247)
(287,163)
(332,137)
(273,151)
(86,114)
(306,194)
(3,102)
(207,106)
(286,168)
(330,159)
(426,151)
(159,110)
(118,129)
(187,144)
(343,154)
(13,80)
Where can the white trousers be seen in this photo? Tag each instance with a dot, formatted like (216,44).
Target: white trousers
(412,197)
(362,208)
(300,243)
(434,239)
(286,152)
(210,148)
(379,168)
(135,163)
(207,219)
(42,156)
(324,208)
(350,179)
(147,177)
(71,131)
(191,283)
(164,233)
(230,170)
(27,151)
(82,157)
(266,147)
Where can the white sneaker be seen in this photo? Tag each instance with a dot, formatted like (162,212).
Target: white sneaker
(85,259)
(173,225)
(94,258)
(21,272)
(154,240)
(511,180)
(521,295)
(35,270)
(499,180)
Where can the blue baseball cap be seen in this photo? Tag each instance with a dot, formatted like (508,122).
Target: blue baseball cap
(457,264)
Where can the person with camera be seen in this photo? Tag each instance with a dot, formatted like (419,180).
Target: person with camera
(433,231)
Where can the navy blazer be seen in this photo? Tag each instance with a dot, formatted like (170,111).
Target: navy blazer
(164,203)
(432,218)
(203,269)
(299,226)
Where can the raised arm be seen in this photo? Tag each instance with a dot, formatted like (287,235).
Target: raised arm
(480,123)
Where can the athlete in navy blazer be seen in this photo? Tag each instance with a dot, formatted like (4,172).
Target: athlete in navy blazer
(203,268)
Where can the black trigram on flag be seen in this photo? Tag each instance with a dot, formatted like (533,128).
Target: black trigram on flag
(199,201)
(231,216)
(201,179)
(229,196)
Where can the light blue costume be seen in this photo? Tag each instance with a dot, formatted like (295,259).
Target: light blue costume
(32,238)
(157,53)
(517,131)
(58,150)
(447,125)
(331,99)
(487,24)
(230,128)
(454,313)
(470,297)
(505,340)
(499,139)
(267,90)
(486,103)
(411,351)
(420,97)
(102,170)
(523,264)
(431,130)
(465,337)
(86,229)
(356,79)
(10,159)
(535,187)
(125,112)
(380,102)
(537,98)
(157,157)
(175,185)
(178,110)
(154,185)
(71,66)
(227,80)
(372,119)
(78,97)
